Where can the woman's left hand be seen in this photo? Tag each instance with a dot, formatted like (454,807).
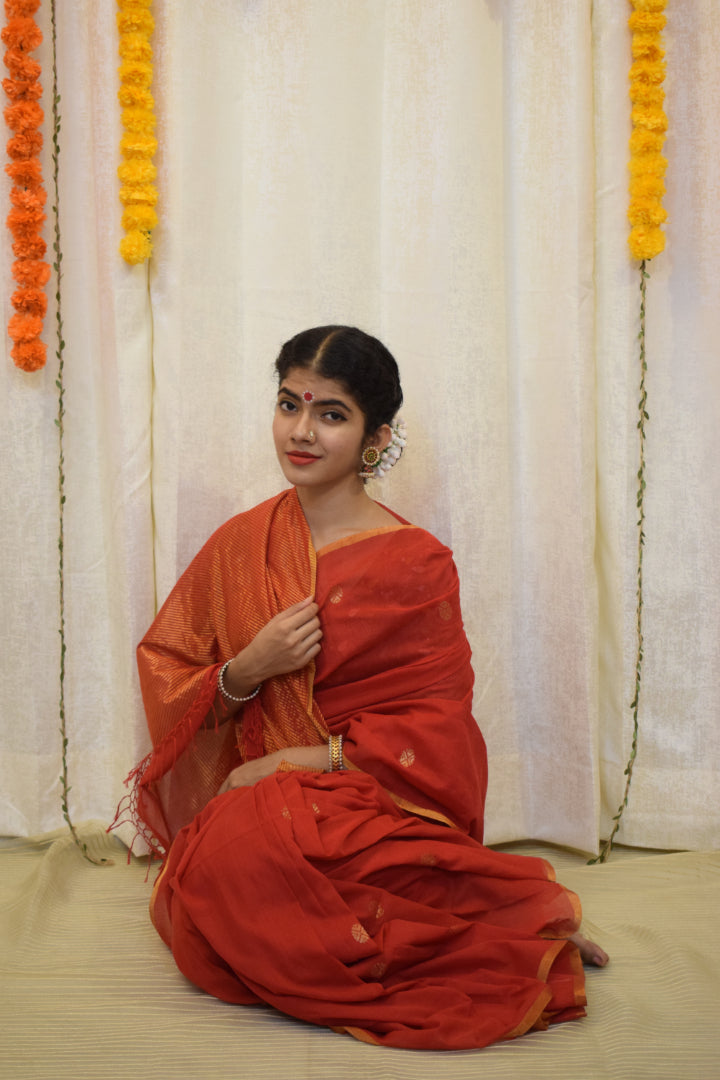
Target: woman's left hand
(309,757)
(251,772)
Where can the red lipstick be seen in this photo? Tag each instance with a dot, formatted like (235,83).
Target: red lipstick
(297,457)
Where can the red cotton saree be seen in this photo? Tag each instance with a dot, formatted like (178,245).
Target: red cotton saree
(362,900)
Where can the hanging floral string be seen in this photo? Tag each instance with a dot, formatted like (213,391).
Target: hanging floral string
(138,144)
(24,115)
(647,164)
(646,214)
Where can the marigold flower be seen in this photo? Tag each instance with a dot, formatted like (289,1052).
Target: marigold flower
(135,20)
(21,7)
(648,165)
(138,146)
(135,47)
(21,66)
(645,242)
(647,22)
(645,141)
(136,246)
(137,96)
(140,121)
(24,224)
(142,193)
(25,145)
(23,116)
(28,198)
(25,327)
(141,217)
(137,171)
(25,171)
(645,45)
(30,300)
(21,88)
(646,211)
(136,73)
(21,32)
(32,248)
(653,119)
(29,355)
(31,272)
(648,71)
(647,185)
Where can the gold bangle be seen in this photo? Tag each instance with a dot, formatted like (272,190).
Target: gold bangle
(335,753)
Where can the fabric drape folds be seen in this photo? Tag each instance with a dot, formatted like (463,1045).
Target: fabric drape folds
(393,656)
(361,899)
(250,570)
(314,894)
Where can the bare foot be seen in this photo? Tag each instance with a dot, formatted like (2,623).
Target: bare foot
(589,951)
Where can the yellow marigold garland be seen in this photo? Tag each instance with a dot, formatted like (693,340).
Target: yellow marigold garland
(647,164)
(138,144)
(21,36)
(646,215)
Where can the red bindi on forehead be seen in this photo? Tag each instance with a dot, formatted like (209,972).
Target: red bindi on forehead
(308,396)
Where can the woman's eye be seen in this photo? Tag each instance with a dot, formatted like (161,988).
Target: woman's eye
(332,415)
(286,405)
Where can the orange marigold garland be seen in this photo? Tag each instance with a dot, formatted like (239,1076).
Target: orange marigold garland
(138,144)
(647,164)
(21,36)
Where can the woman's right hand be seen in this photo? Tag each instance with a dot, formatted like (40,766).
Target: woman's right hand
(287,643)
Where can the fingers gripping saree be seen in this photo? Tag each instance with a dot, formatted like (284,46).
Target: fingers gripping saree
(363,900)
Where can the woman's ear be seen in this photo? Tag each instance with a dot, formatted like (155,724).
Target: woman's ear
(380,438)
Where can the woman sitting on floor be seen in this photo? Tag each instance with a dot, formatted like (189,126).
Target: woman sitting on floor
(317,782)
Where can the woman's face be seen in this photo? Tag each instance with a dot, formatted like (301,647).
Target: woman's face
(319,431)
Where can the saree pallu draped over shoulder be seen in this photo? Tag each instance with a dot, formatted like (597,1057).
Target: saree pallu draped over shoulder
(363,900)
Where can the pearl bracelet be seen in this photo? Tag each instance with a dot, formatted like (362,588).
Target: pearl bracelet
(224,692)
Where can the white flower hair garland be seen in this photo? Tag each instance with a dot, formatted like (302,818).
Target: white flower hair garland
(393,450)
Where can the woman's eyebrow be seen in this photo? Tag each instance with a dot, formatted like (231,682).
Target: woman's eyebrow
(284,390)
(334,401)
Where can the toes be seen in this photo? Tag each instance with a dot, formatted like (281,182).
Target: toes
(589,951)
(600,957)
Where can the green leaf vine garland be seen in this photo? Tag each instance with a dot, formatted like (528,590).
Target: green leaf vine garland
(60,423)
(640,502)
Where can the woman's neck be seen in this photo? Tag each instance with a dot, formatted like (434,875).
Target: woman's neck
(332,515)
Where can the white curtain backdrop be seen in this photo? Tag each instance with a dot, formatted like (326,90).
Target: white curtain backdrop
(450,175)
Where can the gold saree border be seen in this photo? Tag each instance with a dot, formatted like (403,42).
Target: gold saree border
(356,538)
